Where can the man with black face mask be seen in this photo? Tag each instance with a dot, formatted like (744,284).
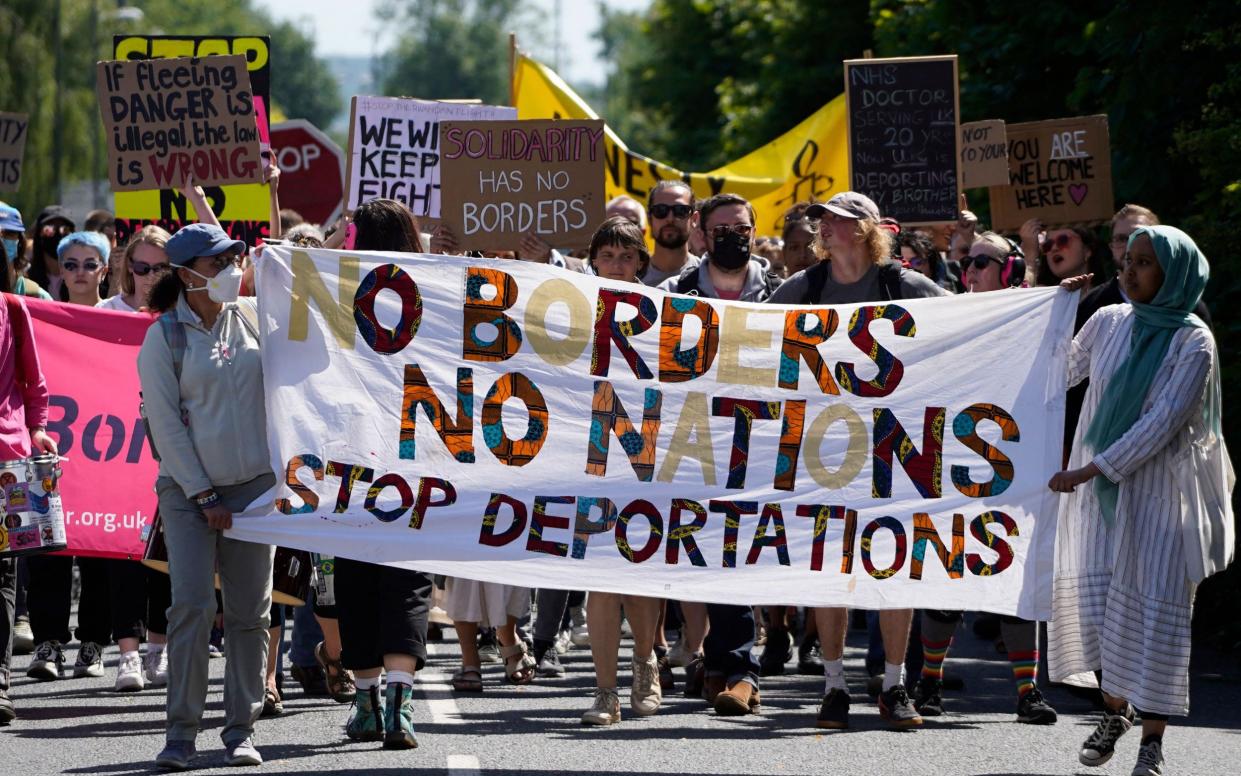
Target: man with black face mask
(670,207)
(728,671)
(727,271)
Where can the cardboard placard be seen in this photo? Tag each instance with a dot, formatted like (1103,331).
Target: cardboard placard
(504,179)
(1060,172)
(394,148)
(984,154)
(12,145)
(169,120)
(904,132)
(243,209)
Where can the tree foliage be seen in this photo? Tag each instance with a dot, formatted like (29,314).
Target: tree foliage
(302,86)
(448,49)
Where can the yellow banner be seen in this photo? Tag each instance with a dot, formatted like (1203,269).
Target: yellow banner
(808,161)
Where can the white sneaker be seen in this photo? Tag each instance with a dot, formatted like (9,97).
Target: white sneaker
(605,710)
(1150,760)
(579,635)
(90,660)
(23,637)
(155,668)
(679,656)
(129,673)
(646,694)
(564,642)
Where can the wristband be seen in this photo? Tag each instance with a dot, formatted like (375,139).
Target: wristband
(211,499)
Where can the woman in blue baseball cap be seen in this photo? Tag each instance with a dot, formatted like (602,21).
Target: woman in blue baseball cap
(202,385)
(13,233)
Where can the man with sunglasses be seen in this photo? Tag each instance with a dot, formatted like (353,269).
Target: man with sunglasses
(670,206)
(727,271)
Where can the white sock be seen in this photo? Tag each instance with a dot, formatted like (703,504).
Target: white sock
(893,674)
(363,683)
(154,649)
(129,654)
(834,675)
(404,677)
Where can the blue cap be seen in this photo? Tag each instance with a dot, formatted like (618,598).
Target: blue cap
(94,240)
(10,219)
(190,242)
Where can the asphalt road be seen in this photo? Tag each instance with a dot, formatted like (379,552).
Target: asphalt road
(79,726)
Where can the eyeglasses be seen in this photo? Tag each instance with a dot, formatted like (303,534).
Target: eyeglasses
(72,265)
(681,212)
(1059,241)
(51,229)
(918,261)
(980,261)
(722,230)
(1121,239)
(142,269)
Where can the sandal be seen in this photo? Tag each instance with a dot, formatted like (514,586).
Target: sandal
(468,679)
(518,666)
(273,704)
(339,679)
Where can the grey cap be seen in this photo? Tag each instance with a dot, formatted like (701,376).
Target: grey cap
(847,204)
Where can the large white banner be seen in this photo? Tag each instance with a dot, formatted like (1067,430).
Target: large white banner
(511,422)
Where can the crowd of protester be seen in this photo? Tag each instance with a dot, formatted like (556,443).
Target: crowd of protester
(1122,612)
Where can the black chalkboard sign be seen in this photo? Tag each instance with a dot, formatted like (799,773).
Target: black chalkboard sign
(904,131)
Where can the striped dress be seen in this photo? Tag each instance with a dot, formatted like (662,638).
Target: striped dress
(1121,600)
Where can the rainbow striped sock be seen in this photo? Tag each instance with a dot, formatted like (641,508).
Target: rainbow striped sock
(1025,670)
(933,654)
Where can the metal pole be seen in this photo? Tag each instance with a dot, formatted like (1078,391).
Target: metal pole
(57,107)
(97,123)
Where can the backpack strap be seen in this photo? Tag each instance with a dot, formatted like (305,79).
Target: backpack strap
(249,317)
(816,279)
(688,283)
(771,281)
(174,335)
(890,282)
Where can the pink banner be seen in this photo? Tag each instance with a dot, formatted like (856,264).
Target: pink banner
(90,361)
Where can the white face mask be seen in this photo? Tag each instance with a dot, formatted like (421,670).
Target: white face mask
(224,287)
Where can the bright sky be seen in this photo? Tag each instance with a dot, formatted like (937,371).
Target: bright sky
(355,32)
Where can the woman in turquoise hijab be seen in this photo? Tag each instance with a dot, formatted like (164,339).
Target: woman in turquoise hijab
(1155,519)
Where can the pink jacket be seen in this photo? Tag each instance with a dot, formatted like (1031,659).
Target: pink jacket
(23,391)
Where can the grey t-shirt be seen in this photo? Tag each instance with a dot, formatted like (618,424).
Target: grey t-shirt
(654,276)
(914,285)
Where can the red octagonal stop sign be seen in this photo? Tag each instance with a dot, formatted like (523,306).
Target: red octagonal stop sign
(311,170)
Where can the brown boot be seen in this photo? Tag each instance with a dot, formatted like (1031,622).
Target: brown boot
(740,698)
(712,686)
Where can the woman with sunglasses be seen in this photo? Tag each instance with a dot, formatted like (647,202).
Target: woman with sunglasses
(1154,517)
(83,259)
(140,596)
(140,266)
(202,383)
(52,225)
(1071,251)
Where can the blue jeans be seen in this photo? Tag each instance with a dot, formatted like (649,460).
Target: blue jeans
(729,648)
(306,634)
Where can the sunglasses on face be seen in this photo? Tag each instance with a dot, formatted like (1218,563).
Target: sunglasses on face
(980,261)
(723,229)
(918,261)
(142,269)
(51,230)
(1059,241)
(681,212)
(73,265)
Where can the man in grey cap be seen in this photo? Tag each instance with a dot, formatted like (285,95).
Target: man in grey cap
(855,259)
(856,266)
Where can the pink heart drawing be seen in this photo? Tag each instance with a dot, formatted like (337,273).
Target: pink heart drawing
(1077,193)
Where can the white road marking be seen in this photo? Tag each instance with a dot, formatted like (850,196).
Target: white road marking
(436,687)
(463,765)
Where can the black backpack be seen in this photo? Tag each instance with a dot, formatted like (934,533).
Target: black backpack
(816,279)
(688,284)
